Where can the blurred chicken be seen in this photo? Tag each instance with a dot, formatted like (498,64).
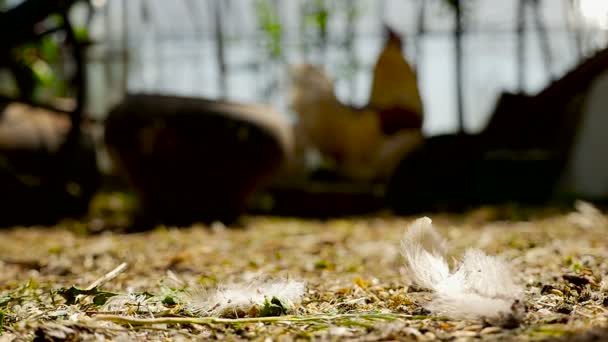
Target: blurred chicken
(350,138)
(394,92)
(364,143)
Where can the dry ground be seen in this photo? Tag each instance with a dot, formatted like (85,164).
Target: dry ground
(355,285)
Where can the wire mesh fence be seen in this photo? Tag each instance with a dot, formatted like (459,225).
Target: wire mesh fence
(239,49)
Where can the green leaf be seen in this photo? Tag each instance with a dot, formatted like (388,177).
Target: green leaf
(49,50)
(270,23)
(4,300)
(102,298)
(274,307)
(322,265)
(169,301)
(81,34)
(2,316)
(70,295)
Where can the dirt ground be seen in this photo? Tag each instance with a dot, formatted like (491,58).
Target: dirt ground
(355,285)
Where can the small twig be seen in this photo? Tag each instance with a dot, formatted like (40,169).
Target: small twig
(353,301)
(108,276)
(273,319)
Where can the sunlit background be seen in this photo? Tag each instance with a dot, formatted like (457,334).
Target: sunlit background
(238,49)
(595,12)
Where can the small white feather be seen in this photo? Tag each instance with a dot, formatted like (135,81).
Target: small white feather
(488,276)
(424,251)
(421,232)
(242,298)
(482,286)
(467,305)
(587,216)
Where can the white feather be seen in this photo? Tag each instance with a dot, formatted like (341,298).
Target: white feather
(466,305)
(488,276)
(482,286)
(241,298)
(424,251)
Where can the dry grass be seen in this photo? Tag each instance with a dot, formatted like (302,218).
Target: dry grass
(356,287)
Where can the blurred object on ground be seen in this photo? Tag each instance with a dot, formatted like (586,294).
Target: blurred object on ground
(586,174)
(360,144)
(195,159)
(110,210)
(453,172)
(520,156)
(39,185)
(318,198)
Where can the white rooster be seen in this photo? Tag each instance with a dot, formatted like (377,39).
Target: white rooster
(365,144)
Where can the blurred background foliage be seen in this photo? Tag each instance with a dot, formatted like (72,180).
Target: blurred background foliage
(41,67)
